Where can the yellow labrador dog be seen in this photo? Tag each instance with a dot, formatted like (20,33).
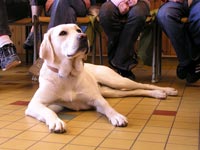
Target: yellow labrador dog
(66,81)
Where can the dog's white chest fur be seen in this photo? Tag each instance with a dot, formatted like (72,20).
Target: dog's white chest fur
(74,92)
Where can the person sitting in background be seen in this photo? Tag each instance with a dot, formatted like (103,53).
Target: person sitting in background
(185,38)
(36,10)
(122,21)
(60,11)
(8,54)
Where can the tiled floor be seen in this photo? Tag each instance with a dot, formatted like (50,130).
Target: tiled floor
(171,124)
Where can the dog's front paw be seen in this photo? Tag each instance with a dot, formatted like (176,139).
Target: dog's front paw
(57,126)
(118,120)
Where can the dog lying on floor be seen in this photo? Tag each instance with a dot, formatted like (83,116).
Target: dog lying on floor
(66,81)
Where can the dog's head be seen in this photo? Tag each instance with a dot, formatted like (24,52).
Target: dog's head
(64,47)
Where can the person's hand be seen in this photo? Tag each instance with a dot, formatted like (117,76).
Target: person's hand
(132,2)
(123,7)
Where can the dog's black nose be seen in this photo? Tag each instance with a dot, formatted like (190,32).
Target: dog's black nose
(82,36)
(83,41)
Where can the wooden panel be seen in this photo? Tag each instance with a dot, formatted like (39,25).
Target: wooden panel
(18,37)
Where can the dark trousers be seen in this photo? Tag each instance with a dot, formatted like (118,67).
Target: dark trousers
(12,10)
(4,28)
(122,32)
(63,11)
(66,11)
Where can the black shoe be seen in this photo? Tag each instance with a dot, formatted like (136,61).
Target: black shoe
(181,72)
(29,43)
(8,57)
(126,74)
(193,74)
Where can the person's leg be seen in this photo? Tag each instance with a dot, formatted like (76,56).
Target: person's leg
(112,24)
(194,37)
(169,18)
(4,28)
(124,54)
(122,32)
(194,30)
(36,9)
(8,56)
(66,11)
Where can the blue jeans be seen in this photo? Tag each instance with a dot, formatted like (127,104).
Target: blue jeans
(185,38)
(122,32)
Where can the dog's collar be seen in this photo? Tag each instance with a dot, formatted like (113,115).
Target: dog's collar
(53,69)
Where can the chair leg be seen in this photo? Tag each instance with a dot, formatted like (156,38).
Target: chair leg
(27,57)
(100,48)
(159,49)
(94,49)
(36,25)
(157,46)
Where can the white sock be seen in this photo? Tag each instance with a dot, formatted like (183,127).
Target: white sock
(5,39)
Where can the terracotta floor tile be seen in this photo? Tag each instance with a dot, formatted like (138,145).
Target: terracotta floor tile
(58,138)
(86,140)
(184,140)
(186,125)
(181,147)
(8,133)
(184,132)
(46,145)
(123,135)
(116,143)
(156,130)
(152,137)
(31,135)
(78,147)
(17,144)
(95,132)
(144,145)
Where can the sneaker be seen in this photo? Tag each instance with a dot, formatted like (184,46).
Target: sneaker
(194,74)
(123,73)
(29,43)
(8,57)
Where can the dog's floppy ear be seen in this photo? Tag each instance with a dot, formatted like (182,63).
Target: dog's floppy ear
(46,48)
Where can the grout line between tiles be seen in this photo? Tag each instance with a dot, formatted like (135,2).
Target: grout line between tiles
(174,119)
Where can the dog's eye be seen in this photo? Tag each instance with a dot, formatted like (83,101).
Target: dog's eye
(63,33)
(79,30)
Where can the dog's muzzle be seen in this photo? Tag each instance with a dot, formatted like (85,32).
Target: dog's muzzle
(81,45)
(83,42)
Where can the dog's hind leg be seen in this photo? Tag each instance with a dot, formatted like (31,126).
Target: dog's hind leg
(109,92)
(108,77)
